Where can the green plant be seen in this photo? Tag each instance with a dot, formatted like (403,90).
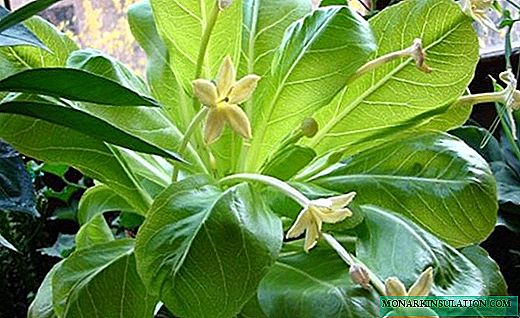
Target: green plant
(343,105)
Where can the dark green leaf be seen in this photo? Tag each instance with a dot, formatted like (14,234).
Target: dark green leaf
(204,251)
(16,188)
(288,162)
(84,123)
(475,136)
(72,84)
(313,285)
(24,13)
(508,183)
(392,246)
(493,279)
(101,281)
(435,180)
(18,34)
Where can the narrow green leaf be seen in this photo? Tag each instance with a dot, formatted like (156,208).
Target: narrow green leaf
(16,188)
(336,39)
(205,251)
(434,180)
(18,34)
(392,246)
(71,84)
(24,13)
(84,123)
(101,281)
(312,285)
(397,91)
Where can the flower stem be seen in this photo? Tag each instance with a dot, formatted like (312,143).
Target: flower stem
(372,65)
(351,260)
(195,122)
(482,98)
(270,181)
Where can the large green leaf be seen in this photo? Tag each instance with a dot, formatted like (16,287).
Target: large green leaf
(315,59)
(56,144)
(16,188)
(397,91)
(264,25)
(70,84)
(42,307)
(204,251)
(181,24)
(101,281)
(508,183)
(83,123)
(98,200)
(313,285)
(159,75)
(434,180)
(392,246)
(17,34)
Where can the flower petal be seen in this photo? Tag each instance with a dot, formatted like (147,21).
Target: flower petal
(226,77)
(206,92)
(394,287)
(243,89)
(423,284)
(214,125)
(342,201)
(332,215)
(302,222)
(311,237)
(238,120)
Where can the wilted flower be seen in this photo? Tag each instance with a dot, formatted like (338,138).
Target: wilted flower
(311,218)
(478,11)
(222,99)
(421,287)
(417,52)
(359,275)
(224,4)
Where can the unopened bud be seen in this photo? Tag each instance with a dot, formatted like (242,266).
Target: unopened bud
(359,275)
(224,4)
(309,127)
(212,162)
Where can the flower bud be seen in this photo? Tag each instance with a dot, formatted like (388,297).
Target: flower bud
(359,275)
(309,127)
(418,54)
(224,4)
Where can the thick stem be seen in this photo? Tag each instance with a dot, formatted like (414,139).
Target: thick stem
(351,260)
(187,136)
(270,181)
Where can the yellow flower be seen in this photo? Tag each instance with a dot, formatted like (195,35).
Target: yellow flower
(421,287)
(222,99)
(478,11)
(311,218)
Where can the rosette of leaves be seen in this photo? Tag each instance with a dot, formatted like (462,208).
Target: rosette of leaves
(211,250)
